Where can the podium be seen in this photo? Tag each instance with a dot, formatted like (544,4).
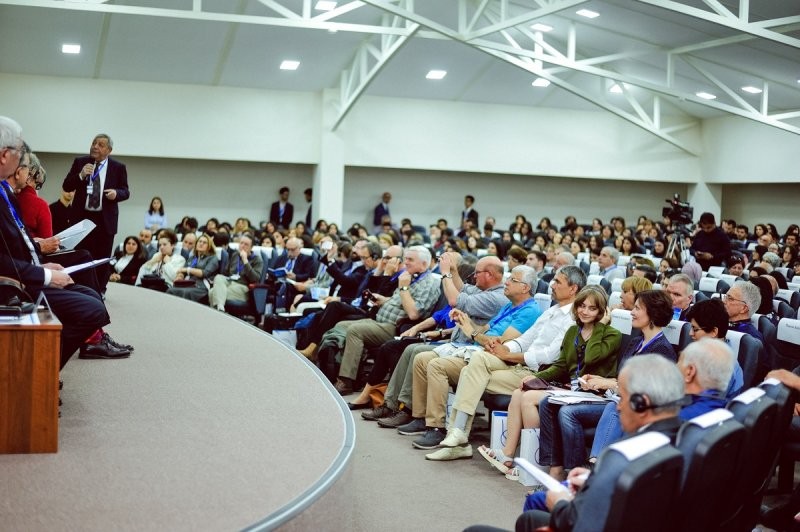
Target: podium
(29,365)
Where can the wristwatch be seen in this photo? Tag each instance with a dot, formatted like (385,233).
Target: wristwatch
(447,276)
(404,289)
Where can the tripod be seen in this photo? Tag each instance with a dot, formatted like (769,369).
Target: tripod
(677,242)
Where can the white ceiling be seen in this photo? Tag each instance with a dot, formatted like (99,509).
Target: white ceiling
(716,46)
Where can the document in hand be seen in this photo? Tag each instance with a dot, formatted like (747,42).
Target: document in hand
(71,236)
(78,267)
(547,481)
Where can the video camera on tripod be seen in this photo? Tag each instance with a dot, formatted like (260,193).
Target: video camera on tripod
(679,212)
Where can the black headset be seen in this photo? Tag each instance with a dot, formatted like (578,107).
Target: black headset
(641,403)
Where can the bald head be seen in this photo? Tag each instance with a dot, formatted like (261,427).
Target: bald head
(488,272)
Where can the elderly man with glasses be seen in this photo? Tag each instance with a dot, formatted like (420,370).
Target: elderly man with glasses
(741,302)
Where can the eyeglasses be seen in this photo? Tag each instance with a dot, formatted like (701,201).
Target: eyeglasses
(726,297)
(695,330)
(513,280)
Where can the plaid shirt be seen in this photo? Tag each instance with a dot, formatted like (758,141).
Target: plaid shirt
(424,291)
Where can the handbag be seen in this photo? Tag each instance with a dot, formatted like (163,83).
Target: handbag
(14,300)
(535,383)
(183,283)
(153,281)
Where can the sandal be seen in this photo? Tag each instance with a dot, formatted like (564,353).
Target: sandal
(513,474)
(496,457)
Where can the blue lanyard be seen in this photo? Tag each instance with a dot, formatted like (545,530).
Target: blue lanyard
(96,173)
(509,310)
(579,353)
(6,189)
(194,263)
(640,348)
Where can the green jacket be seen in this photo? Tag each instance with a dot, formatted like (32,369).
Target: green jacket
(600,357)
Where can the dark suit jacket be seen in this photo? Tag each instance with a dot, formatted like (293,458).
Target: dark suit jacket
(472,215)
(589,509)
(116,178)
(349,284)
(304,266)
(15,261)
(275,214)
(379,213)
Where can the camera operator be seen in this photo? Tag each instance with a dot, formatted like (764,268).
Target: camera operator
(710,244)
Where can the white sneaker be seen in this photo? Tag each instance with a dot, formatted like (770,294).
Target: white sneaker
(450,453)
(455,438)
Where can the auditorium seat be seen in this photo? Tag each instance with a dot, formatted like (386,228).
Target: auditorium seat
(645,472)
(757,412)
(542,287)
(789,296)
(616,285)
(679,334)
(543,301)
(710,285)
(621,320)
(747,349)
(783,309)
(614,299)
(710,444)
(787,343)
(251,308)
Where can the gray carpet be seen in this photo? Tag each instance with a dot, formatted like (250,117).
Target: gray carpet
(214,425)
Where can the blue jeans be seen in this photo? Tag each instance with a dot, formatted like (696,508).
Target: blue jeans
(608,430)
(562,441)
(537,500)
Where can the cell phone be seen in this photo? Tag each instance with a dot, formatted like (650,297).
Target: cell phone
(369,295)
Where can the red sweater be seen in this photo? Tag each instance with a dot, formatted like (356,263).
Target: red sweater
(35,213)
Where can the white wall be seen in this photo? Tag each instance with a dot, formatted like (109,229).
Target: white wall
(762,203)
(743,151)
(223,189)
(176,140)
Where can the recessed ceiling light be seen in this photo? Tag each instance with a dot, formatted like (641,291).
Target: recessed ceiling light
(436,74)
(615,88)
(587,13)
(288,64)
(541,27)
(541,82)
(70,48)
(325,5)
(752,90)
(705,95)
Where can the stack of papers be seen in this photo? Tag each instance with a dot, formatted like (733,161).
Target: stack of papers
(567,397)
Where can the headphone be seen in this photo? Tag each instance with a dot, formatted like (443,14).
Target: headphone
(641,403)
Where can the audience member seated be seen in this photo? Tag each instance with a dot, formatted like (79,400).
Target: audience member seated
(589,347)
(481,301)
(767,291)
(709,319)
(62,213)
(524,345)
(201,266)
(163,266)
(244,268)
(630,287)
(416,293)
(124,266)
(149,245)
(296,266)
(651,390)
(608,264)
(681,289)
(187,244)
(319,286)
(35,211)
(154,218)
(741,301)
(381,280)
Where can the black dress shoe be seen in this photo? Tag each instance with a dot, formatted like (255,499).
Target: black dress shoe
(102,349)
(362,406)
(107,338)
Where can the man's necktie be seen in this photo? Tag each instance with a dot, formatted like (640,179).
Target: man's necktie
(290,265)
(94,199)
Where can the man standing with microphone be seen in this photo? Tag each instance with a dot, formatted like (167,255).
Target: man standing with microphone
(99,183)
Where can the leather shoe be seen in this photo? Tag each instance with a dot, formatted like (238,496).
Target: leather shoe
(362,406)
(102,349)
(110,341)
